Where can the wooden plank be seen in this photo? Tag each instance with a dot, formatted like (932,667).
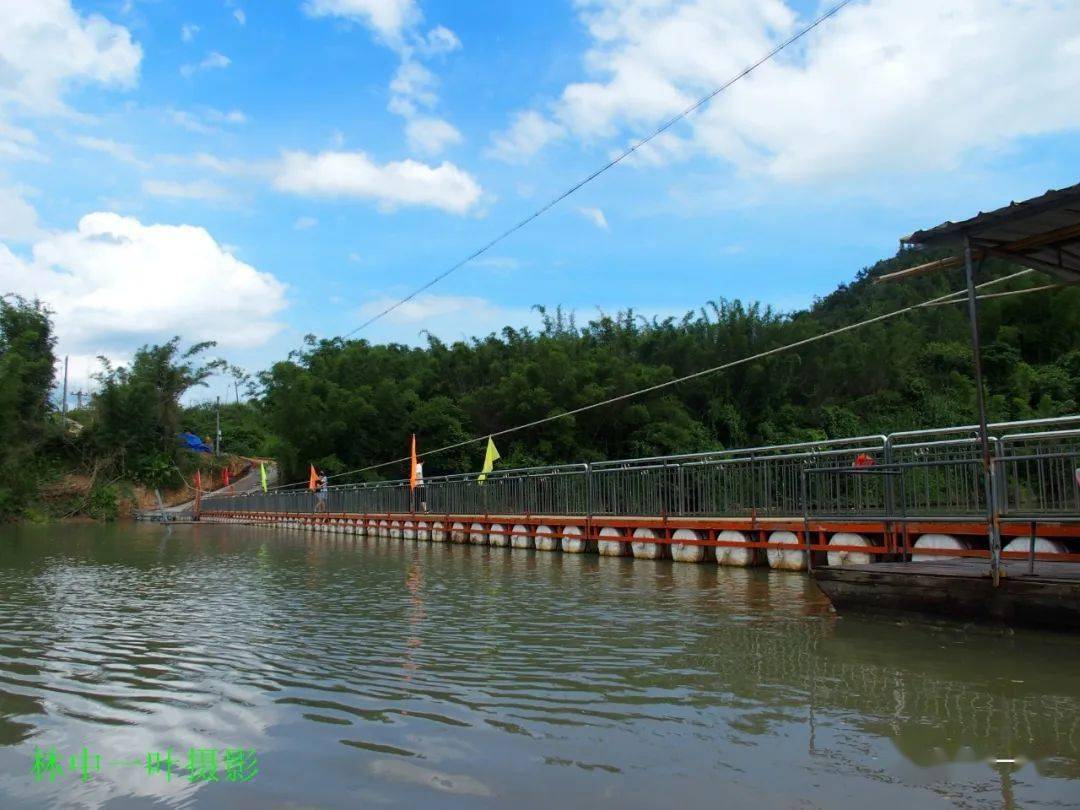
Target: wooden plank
(959,589)
(947,263)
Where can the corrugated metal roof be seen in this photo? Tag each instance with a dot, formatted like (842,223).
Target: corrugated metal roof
(1043,231)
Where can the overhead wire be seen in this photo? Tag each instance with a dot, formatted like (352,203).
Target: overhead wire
(1007,294)
(685,378)
(634,147)
(610,164)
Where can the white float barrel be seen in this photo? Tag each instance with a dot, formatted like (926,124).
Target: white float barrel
(457,533)
(937,541)
(845,557)
(687,552)
(546,539)
(786,559)
(395,529)
(408,530)
(1042,545)
(438,532)
(642,548)
(477,535)
(611,548)
(738,556)
(422,530)
(572,540)
(520,538)
(496,536)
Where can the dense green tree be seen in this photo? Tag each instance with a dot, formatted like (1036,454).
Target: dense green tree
(26,377)
(244,431)
(138,412)
(345,405)
(350,404)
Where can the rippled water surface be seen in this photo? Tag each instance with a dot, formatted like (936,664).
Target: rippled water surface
(389,673)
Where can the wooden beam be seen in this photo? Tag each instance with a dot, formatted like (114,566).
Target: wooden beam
(1065,274)
(1042,240)
(947,263)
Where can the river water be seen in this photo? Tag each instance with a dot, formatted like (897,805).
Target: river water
(328,671)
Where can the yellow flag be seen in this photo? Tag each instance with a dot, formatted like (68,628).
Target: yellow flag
(262,476)
(490,457)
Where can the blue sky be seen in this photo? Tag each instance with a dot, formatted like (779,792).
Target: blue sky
(255,172)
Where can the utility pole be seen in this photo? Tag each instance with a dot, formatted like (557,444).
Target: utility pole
(217,435)
(63,397)
(236,388)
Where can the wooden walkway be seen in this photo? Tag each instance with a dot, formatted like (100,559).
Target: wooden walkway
(1048,597)
(979,569)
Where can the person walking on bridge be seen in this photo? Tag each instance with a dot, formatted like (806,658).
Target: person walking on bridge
(319,485)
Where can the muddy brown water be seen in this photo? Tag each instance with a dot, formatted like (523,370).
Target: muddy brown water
(363,673)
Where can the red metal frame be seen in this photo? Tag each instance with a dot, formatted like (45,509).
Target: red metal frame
(890,539)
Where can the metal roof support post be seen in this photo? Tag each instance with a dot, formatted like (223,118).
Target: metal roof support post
(980,401)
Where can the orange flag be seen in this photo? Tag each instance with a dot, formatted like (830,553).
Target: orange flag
(313,481)
(198,480)
(225,477)
(412,464)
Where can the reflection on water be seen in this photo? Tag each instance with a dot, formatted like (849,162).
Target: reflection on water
(402,673)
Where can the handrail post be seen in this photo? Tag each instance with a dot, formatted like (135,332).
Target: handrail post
(588,492)
(890,494)
(680,492)
(588,503)
(980,402)
(806,519)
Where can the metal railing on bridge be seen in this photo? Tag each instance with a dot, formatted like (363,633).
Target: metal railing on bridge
(1035,475)
(934,473)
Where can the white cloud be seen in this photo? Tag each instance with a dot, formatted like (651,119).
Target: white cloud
(304,223)
(19,143)
(18,218)
(188,32)
(413,85)
(595,216)
(528,134)
(430,136)
(660,151)
(115,283)
(193,190)
(212,61)
(226,117)
(412,88)
(337,174)
(439,40)
(240,16)
(120,151)
(497,262)
(884,86)
(394,184)
(229,167)
(203,121)
(388,18)
(47,46)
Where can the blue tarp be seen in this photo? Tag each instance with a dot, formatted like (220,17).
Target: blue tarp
(193,442)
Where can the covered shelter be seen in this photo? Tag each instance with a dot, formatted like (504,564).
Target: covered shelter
(1041,233)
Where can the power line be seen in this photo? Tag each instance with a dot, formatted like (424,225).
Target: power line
(695,375)
(613,162)
(962,298)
